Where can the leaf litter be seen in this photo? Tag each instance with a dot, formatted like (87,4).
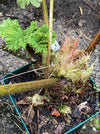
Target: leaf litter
(59,111)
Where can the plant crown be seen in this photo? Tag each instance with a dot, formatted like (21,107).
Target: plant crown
(72,62)
(15,37)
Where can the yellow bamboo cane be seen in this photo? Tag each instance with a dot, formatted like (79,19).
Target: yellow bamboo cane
(26,86)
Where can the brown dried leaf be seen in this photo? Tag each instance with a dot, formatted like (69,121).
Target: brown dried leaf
(21,102)
(27,99)
(58,130)
(55,112)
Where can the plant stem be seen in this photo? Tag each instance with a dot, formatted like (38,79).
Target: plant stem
(45,12)
(50,38)
(25,86)
(93,44)
(46,21)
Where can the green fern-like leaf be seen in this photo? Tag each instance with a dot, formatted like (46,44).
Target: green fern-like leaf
(39,39)
(33,27)
(23,3)
(13,33)
(7,25)
(16,38)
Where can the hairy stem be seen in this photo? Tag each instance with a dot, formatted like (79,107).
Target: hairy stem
(50,38)
(45,12)
(46,21)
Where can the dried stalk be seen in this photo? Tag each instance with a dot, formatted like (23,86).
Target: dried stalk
(25,86)
(50,38)
(94,42)
(45,12)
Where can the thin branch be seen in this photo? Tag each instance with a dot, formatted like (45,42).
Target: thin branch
(94,42)
(90,5)
(33,70)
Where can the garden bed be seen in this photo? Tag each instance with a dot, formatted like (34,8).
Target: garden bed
(66,20)
(40,119)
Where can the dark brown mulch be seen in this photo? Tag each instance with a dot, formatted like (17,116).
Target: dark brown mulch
(40,119)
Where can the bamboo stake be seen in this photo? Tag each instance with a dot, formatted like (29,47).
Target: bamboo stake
(50,38)
(26,86)
(94,42)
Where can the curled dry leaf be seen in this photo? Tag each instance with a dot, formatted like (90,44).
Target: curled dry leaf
(55,112)
(38,100)
(83,108)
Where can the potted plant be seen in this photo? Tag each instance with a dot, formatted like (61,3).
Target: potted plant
(65,82)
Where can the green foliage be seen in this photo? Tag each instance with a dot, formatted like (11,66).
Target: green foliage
(13,33)
(23,3)
(39,39)
(61,107)
(33,35)
(94,123)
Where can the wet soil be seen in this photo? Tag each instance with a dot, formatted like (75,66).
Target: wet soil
(40,119)
(68,19)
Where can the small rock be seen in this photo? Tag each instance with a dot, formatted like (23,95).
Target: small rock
(1,68)
(76,113)
(81,22)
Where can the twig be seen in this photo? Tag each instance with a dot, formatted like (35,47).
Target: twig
(94,42)
(17,125)
(38,121)
(25,72)
(90,5)
(82,34)
(8,105)
(70,21)
(81,11)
